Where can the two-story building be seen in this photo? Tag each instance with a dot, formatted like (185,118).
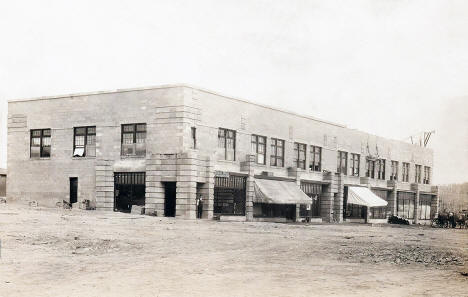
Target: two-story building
(164,148)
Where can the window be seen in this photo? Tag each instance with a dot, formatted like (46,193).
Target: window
(315,158)
(299,155)
(405,176)
(40,143)
(425,207)
(379,212)
(258,145)
(194,137)
(394,173)
(370,168)
(133,140)
(417,174)
(427,174)
(342,162)
(355,164)
(277,152)
(227,141)
(381,169)
(405,205)
(84,141)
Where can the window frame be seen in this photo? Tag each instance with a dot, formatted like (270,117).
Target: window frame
(254,140)
(41,142)
(417,173)
(85,140)
(134,138)
(381,169)
(355,159)
(394,172)
(225,142)
(315,165)
(427,175)
(405,173)
(342,155)
(274,152)
(369,173)
(297,155)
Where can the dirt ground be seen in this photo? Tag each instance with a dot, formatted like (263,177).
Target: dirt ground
(57,252)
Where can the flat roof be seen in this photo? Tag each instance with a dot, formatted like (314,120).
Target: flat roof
(174,86)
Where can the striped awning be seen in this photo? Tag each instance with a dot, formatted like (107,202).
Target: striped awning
(364,196)
(279,192)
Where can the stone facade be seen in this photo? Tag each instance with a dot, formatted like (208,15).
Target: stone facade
(170,113)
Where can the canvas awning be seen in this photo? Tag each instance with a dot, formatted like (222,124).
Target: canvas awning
(279,192)
(364,196)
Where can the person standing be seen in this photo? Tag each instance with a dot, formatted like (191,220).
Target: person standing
(199,206)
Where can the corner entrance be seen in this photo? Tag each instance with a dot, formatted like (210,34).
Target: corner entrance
(129,189)
(169,199)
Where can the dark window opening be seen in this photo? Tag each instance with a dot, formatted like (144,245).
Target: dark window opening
(355,159)
(194,137)
(227,141)
(370,168)
(394,174)
(342,162)
(73,190)
(405,175)
(381,169)
(300,155)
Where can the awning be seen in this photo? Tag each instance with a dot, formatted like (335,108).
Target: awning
(364,196)
(279,192)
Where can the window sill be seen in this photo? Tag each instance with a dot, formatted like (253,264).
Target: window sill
(133,157)
(40,158)
(277,167)
(83,158)
(228,161)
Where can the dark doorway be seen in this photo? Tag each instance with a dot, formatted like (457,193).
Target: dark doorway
(73,190)
(129,189)
(169,199)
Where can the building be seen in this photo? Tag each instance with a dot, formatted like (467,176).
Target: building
(164,148)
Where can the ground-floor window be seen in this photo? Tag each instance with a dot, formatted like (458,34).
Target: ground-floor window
(129,189)
(425,206)
(229,195)
(379,212)
(268,210)
(355,211)
(405,205)
(313,191)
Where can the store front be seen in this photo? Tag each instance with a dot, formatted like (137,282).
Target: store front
(309,211)
(405,205)
(229,195)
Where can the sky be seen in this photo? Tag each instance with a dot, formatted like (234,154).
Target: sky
(392,68)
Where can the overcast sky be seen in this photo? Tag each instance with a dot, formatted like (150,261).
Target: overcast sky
(391,68)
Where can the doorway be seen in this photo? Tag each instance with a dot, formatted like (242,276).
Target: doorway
(169,199)
(129,189)
(73,190)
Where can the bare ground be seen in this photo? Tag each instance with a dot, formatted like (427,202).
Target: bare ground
(56,252)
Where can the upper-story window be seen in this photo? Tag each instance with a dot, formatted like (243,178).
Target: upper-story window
(427,174)
(405,175)
(355,164)
(258,145)
(381,169)
(40,143)
(133,140)
(227,141)
(194,137)
(84,141)
(394,173)
(299,155)
(277,152)
(342,162)
(370,168)
(417,174)
(315,158)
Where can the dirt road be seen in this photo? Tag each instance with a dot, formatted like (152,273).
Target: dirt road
(55,252)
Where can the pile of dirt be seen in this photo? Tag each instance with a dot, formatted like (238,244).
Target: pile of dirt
(400,254)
